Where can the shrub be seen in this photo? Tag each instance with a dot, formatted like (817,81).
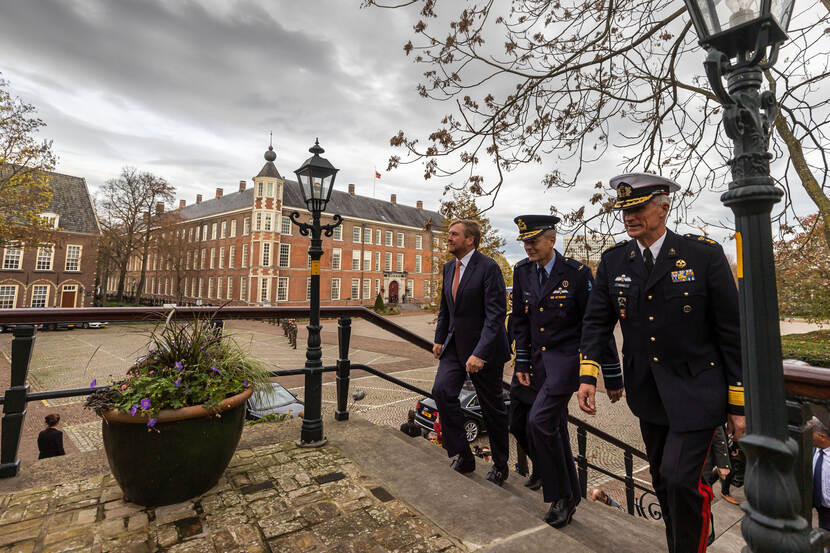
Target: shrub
(811,347)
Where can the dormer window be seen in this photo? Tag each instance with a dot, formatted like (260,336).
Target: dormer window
(52,219)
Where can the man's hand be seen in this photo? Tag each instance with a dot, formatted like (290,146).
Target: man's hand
(474,364)
(524,378)
(615,395)
(736,425)
(436,350)
(723,472)
(586,395)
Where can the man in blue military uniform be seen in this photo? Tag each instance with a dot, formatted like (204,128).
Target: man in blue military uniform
(677,305)
(550,294)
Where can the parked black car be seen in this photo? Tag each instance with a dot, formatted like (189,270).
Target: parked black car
(426,411)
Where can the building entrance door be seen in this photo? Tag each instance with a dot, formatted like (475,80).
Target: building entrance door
(68,295)
(393,291)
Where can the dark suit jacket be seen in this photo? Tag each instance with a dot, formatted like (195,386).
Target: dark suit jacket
(476,318)
(50,443)
(681,334)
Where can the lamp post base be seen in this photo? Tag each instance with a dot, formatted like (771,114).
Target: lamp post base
(316,443)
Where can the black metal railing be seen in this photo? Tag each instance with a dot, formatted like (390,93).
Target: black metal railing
(18,395)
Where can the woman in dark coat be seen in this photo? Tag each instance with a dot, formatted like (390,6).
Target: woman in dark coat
(50,440)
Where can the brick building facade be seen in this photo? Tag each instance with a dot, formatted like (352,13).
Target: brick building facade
(60,274)
(242,248)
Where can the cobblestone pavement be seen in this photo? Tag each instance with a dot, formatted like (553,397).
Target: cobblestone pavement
(270,499)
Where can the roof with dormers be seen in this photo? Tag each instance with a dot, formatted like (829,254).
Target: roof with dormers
(359,207)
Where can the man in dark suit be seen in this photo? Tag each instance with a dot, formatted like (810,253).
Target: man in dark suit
(470,338)
(821,471)
(677,305)
(550,294)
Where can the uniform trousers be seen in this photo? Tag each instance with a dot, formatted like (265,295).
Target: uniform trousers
(451,375)
(676,462)
(519,413)
(823,517)
(553,459)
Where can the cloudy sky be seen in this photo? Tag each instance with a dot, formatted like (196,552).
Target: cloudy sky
(191,90)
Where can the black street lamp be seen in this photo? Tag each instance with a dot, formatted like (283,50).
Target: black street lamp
(742,38)
(316,177)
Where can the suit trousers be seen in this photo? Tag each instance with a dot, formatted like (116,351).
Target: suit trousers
(676,462)
(451,375)
(823,517)
(553,459)
(519,413)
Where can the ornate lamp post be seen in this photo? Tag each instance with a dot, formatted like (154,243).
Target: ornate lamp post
(316,177)
(742,38)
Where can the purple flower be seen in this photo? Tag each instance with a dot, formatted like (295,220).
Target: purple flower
(177,383)
(145,404)
(93,383)
(152,422)
(178,366)
(214,369)
(133,409)
(244,382)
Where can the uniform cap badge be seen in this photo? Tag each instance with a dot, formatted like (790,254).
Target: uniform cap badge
(680,264)
(521,224)
(624,190)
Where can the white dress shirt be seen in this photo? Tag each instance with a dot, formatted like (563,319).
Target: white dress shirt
(655,248)
(825,475)
(464,261)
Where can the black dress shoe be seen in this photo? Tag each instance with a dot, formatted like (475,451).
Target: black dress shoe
(497,475)
(561,517)
(534,482)
(463,464)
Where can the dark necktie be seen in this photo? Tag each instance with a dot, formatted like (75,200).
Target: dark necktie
(817,484)
(649,259)
(543,277)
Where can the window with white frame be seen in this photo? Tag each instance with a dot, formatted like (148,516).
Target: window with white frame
(45,255)
(223,230)
(222,257)
(367,288)
(201,287)
(210,287)
(203,261)
(219,287)
(231,256)
(268,221)
(377,237)
(189,259)
(40,295)
(418,263)
(388,238)
(73,258)
(264,288)
(338,233)
(355,288)
(229,289)
(377,261)
(285,225)
(270,188)
(204,232)
(266,254)
(336,253)
(387,262)
(260,188)
(367,236)
(212,258)
(308,289)
(427,288)
(399,264)
(246,226)
(356,260)
(258,225)
(233,228)
(190,238)
(400,240)
(285,255)
(243,289)
(419,242)
(356,235)
(335,288)
(12,256)
(213,228)
(434,241)
(377,286)
(244,256)
(8,296)
(282,289)
(410,288)
(51,219)
(367,261)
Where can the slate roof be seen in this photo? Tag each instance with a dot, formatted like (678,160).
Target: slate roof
(269,170)
(341,202)
(71,200)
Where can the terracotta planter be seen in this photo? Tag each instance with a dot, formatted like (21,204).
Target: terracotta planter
(184,459)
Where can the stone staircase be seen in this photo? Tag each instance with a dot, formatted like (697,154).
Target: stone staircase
(485,517)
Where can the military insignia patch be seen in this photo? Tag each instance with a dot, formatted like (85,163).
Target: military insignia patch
(623,278)
(565,283)
(632,255)
(522,225)
(686,275)
(680,264)
(672,253)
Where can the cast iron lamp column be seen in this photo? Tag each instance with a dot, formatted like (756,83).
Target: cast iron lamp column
(316,178)
(743,30)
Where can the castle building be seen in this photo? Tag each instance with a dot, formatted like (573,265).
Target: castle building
(241,248)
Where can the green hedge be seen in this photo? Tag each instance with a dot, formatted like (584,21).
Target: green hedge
(812,347)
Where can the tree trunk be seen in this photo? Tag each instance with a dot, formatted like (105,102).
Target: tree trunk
(122,277)
(808,180)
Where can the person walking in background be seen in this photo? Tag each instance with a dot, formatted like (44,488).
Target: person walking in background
(470,338)
(677,304)
(821,471)
(50,440)
(410,427)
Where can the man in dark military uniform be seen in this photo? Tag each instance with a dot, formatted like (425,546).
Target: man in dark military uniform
(550,294)
(677,304)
